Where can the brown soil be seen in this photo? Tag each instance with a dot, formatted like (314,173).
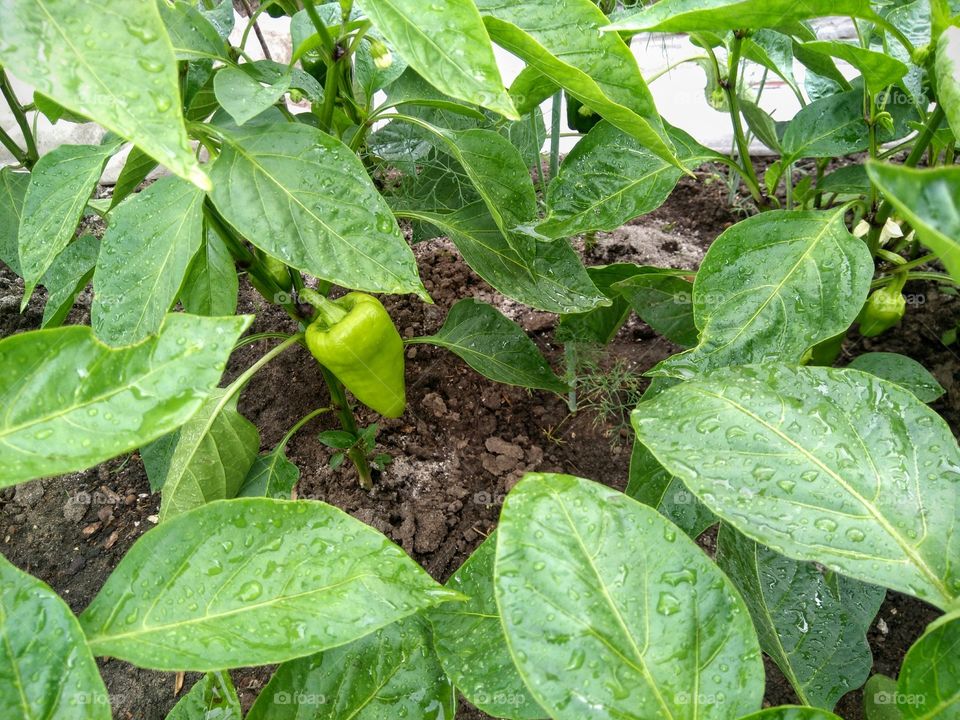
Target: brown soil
(461,445)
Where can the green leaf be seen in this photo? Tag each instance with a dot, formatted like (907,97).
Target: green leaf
(929,200)
(772,286)
(531,88)
(761,124)
(650,483)
(903,371)
(880,699)
(340,439)
(448,45)
(112,63)
(772,50)
(192,35)
(212,456)
(791,712)
(878,69)
(211,285)
(305,198)
(832,466)
(847,180)
(71,402)
(471,646)
(144,257)
(68,275)
(663,299)
(134,172)
(46,669)
(242,95)
(610,177)
(556,280)
(720,15)
(948,76)
(813,624)
(599,325)
(212,697)
(60,185)
(369,78)
(929,682)
(597,69)
(13,188)
(606,604)
(822,70)
(835,125)
(494,346)
(272,475)
(261,581)
(156,457)
(392,673)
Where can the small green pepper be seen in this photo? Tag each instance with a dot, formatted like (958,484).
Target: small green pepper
(355,339)
(883,309)
(579,117)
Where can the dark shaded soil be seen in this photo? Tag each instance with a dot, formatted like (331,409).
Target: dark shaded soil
(461,445)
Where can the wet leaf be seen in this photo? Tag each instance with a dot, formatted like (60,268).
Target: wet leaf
(610,177)
(831,466)
(471,646)
(929,200)
(13,187)
(242,95)
(212,697)
(253,581)
(880,699)
(144,257)
(556,280)
(903,371)
(60,186)
(720,15)
(494,346)
(135,170)
(599,325)
(67,277)
(663,299)
(272,475)
(193,36)
(929,682)
(111,62)
(596,68)
(305,198)
(72,402)
(948,76)
(772,286)
(392,673)
(213,454)
(878,69)
(611,611)
(791,712)
(211,285)
(812,623)
(447,44)
(46,669)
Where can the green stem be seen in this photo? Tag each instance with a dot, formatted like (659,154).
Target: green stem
(14,149)
(17,109)
(921,275)
(299,424)
(330,87)
(326,39)
(555,134)
(338,400)
(250,339)
(327,311)
(238,384)
(657,75)
(743,150)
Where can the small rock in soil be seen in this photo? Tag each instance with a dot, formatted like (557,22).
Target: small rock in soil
(502,447)
(28,494)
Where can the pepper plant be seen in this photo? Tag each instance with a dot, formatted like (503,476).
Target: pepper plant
(828,486)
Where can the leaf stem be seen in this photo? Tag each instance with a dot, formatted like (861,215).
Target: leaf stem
(555,134)
(338,400)
(299,424)
(238,384)
(31,155)
(730,88)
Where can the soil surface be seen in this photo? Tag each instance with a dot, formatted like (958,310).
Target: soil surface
(462,444)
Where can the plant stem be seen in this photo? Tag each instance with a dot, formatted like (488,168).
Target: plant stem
(300,423)
(920,275)
(555,134)
(730,88)
(326,39)
(17,109)
(256,28)
(14,149)
(250,339)
(238,384)
(338,400)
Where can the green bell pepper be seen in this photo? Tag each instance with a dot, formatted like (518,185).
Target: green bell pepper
(579,117)
(883,309)
(355,339)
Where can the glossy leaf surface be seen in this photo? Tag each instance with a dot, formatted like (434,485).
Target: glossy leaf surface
(67,276)
(948,76)
(272,475)
(212,697)
(929,682)
(13,187)
(110,62)
(253,581)
(599,630)
(903,371)
(833,466)
(392,673)
(471,646)
(494,346)
(144,257)
(46,669)
(71,402)
(211,285)
(305,198)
